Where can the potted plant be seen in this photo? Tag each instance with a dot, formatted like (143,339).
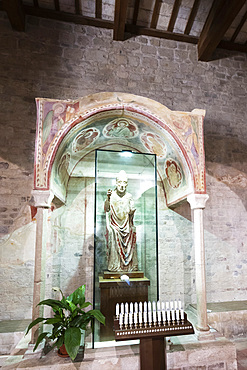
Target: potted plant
(69,322)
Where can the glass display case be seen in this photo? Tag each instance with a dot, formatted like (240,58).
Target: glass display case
(125,262)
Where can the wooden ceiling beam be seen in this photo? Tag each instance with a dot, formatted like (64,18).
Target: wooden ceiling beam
(156,13)
(98,9)
(57,5)
(238,29)
(229,45)
(220,17)
(136,11)
(15,14)
(137,30)
(67,17)
(77,7)
(120,16)
(192,17)
(174,15)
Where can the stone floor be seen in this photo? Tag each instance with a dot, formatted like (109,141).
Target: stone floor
(186,351)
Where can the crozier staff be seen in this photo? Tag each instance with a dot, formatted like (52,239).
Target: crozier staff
(121,232)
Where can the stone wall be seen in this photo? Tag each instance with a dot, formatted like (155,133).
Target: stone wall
(59,60)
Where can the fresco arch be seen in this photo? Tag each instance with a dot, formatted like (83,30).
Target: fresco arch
(67,130)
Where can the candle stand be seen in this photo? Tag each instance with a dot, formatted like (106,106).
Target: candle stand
(152,343)
(111,290)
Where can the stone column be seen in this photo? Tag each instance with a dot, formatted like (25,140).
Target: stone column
(197,204)
(42,200)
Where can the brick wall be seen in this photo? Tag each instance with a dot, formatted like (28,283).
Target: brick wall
(59,60)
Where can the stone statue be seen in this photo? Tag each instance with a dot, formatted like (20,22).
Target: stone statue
(121,232)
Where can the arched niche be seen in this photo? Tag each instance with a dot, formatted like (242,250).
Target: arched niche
(69,132)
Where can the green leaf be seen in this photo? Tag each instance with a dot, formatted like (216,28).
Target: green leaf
(53,320)
(72,306)
(86,304)
(34,322)
(59,341)
(98,315)
(53,303)
(78,297)
(81,321)
(40,338)
(66,304)
(72,340)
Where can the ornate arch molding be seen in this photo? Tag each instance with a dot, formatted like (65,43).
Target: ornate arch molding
(68,130)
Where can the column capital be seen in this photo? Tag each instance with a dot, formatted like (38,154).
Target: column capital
(42,198)
(197,200)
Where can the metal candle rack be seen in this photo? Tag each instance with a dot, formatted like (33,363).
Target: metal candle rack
(151,322)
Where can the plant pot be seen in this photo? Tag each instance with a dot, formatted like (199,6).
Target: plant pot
(62,351)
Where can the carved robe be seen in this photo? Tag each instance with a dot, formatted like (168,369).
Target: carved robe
(121,234)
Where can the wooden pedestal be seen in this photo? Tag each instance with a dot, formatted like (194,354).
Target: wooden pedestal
(152,353)
(117,291)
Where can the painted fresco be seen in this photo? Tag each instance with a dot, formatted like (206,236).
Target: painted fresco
(122,128)
(154,144)
(173,173)
(84,139)
(68,130)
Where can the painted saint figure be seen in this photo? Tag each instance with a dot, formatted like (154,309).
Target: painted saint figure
(121,232)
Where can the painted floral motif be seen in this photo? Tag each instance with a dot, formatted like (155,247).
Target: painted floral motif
(121,127)
(173,173)
(154,144)
(85,138)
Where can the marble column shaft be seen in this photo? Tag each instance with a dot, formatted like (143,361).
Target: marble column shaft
(197,203)
(42,200)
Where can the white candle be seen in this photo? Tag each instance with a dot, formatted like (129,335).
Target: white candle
(130,318)
(136,307)
(135,317)
(126,308)
(149,306)
(121,320)
(177,315)
(158,305)
(122,308)
(117,309)
(167,306)
(154,317)
(154,306)
(140,307)
(126,319)
(131,307)
(173,315)
(171,305)
(140,317)
(182,314)
(163,305)
(145,307)
(179,304)
(145,317)
(175,305)
(159,316)
(164,316)
(150,317)
(168,313)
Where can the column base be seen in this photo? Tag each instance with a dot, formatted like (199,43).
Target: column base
(204,334)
